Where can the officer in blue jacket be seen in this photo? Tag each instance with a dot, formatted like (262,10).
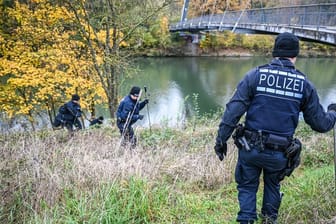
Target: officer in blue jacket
(128,114)
(272,96)
(69,114)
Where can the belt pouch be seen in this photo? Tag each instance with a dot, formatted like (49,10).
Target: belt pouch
(277,140)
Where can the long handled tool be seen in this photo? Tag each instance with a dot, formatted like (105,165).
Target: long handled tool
(149,122)
(128,120)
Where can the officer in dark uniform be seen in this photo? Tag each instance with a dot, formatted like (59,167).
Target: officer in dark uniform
(97,121)
(272,96)
(128,114)
(69,114)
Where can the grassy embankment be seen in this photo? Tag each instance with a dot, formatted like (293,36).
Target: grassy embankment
(173,176)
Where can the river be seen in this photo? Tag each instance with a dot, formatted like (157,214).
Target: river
(187,86)
(183,87)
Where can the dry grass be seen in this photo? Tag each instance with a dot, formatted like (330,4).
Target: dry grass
(38,168)
(41,166)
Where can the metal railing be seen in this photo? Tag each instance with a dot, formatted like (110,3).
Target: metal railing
(314,16)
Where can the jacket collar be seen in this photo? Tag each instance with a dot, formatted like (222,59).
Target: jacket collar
(283,62)
(130,98)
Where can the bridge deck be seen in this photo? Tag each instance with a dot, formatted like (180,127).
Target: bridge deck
(315,22)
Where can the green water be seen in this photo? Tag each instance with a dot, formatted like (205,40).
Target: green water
(182,87)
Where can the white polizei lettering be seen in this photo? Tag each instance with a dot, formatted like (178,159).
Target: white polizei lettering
(262,78)
(274,71)
(270,90)
(270,80)
(280,92)
(281,83)
(297,84)
(260,88)
(289,83)
(289,93)
(277,82)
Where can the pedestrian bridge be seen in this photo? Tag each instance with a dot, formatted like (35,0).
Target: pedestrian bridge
(316,22)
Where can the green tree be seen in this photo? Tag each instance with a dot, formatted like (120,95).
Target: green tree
(106,27)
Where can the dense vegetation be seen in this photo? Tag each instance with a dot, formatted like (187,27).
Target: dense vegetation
(173,176)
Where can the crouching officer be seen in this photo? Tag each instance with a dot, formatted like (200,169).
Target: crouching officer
(272,96)
(97,121)
(69,114)
(128,114)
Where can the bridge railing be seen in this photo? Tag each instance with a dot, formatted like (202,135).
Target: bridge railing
(316,15)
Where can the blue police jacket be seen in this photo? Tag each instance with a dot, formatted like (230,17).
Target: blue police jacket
(71,112)
(272,96)
(126,107)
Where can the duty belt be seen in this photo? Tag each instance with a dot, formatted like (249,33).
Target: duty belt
(267,141)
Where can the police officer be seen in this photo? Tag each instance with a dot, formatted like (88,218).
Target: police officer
(128,114)
(69,114)
(96,121)
(272,96)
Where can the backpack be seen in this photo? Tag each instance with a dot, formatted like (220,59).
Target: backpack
(63,109)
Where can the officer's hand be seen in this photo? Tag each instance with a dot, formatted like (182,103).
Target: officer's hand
(141,117)
(221,150)
(332,107)
(146,101)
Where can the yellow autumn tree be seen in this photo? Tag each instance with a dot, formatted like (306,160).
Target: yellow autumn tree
(164,35)
(207,7)
(41,63)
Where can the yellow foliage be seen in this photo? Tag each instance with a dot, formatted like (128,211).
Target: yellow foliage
(201,7)
(101,35)
(42,64)
(164,25)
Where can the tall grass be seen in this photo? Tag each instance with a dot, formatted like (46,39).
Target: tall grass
(310,198)
(172,176)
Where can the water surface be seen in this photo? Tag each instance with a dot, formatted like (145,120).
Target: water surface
(186,86)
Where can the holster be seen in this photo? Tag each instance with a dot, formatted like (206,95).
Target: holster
(238,133)
(293,153)
(239,138)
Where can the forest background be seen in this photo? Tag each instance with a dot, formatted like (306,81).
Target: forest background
(50,49)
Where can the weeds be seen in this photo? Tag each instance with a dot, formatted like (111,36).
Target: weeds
(172,176)
(310,197)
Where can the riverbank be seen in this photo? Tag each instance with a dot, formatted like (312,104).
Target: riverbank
(187,49)
(172,176)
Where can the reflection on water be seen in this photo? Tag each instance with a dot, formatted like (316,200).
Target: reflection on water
(167,109)
(181,87)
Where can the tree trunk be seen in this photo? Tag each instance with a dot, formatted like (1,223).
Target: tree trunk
(111,105)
